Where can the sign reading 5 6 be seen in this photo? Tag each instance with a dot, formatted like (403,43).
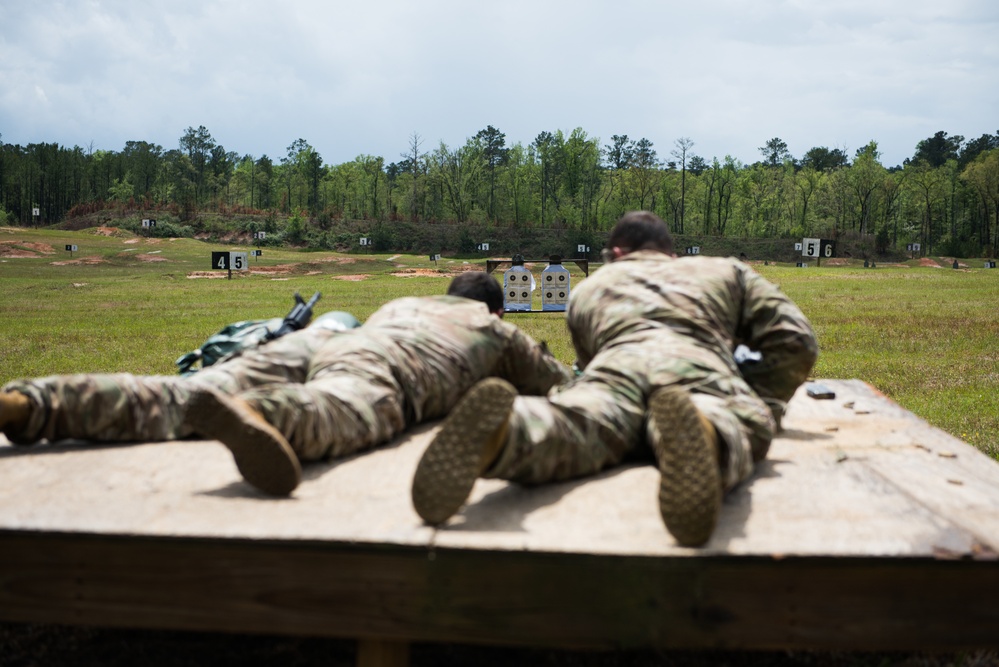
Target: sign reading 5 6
(818,248)
(233,261)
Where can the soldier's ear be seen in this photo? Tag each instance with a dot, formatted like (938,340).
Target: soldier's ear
(499,313)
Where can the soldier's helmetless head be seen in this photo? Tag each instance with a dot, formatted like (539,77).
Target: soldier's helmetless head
(640,230)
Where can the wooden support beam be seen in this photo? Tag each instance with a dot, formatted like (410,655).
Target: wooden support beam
(381,653)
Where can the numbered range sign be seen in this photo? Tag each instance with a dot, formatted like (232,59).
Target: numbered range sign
(554,287)
(483,247)
(71,248)
(693,250)
(148,222)
(518,286)
(991,264)
(232,261)
(365,241)
(820,248)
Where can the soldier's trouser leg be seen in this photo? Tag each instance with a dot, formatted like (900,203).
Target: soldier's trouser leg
(107,407)
(585,427)
(745,426)
(122,407)
(592,424)
(350,402)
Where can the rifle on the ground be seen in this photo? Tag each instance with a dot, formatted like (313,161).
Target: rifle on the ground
(235,338)
(298,318)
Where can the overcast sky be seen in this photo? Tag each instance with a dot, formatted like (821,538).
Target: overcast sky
(361,77)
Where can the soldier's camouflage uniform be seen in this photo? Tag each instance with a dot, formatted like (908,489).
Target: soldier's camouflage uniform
(121,407)
(649,320)
(330,394)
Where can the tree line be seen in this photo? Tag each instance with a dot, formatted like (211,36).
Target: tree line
(946,196)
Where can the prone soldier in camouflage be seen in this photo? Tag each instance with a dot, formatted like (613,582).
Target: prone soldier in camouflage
(655,337)
(121,407)
(410,362)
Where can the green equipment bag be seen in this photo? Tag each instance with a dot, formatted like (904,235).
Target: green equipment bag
(230,341)
(235,338)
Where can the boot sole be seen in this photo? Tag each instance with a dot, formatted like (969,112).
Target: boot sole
(451,463)
(263,456)
(690,494)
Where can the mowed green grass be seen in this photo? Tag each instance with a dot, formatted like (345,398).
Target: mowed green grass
(926,337)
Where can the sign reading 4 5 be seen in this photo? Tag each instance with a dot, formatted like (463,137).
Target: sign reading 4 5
(233,261)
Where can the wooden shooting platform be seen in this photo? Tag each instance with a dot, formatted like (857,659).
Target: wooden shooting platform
(866,529)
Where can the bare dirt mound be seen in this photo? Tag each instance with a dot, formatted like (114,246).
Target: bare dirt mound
(151,258)
(25,249)
(926,261)
(449,272)
(279,269)
(422,273)
(207,274)
(93,259)
(357,277)
(106,231)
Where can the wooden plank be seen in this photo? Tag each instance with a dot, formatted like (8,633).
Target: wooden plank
(533,599)
(380,653)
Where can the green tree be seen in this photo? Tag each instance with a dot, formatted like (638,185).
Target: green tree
(682,147)
(982,175)
(416,164)
(265,183)
(645,175)
(939,148)
(494,152)
(807,181)
(458,171)
(305,171)
(928,185)
(142,161)
(823,159)
(197,145)
(775,152)
(865,177)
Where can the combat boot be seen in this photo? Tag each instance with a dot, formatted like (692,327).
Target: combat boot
(468,442)
(15,409)
(263,456)
(686,446)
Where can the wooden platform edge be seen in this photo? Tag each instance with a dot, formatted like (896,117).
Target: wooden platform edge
(573,601)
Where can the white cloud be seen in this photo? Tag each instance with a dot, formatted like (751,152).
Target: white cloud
(355,78)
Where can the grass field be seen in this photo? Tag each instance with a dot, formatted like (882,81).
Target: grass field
(926,337)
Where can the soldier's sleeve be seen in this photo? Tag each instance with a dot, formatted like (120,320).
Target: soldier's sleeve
(528,365)
(580,326)
(774,326)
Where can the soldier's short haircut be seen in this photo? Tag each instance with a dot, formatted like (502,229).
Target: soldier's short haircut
(480,286)
(641,230)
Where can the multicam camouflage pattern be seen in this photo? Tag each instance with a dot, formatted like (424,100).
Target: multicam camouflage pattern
(410,362)
(126,408)
(649,320)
